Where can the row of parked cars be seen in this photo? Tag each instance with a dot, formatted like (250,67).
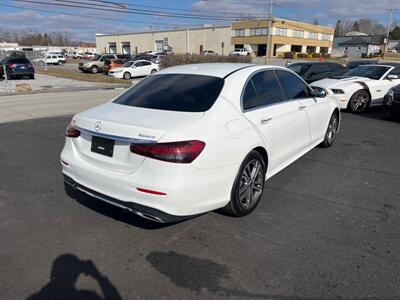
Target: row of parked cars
(357,86)
(122,65)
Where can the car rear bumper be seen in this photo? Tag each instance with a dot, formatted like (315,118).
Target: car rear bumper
(140,210)
(187,190)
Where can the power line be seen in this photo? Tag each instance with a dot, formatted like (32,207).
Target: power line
(173,9)
(93,17)
(79,4)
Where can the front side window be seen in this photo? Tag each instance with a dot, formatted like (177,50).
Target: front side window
(174,92)
(294,87)
(395,71)
(262,89)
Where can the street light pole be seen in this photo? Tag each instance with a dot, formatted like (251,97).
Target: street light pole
(388,29)
(269,33)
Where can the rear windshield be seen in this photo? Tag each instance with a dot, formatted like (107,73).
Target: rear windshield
(17,61)
(176,92)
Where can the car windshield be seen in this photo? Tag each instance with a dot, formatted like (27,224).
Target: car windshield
(174,92)
(372,72)
(127,64)
(300,69)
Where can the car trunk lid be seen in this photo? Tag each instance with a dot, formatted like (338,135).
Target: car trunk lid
(122,125)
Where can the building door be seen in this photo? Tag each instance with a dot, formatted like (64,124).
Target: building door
(262,49)
(201,49)
(159,46)
(275,46)
(126,48)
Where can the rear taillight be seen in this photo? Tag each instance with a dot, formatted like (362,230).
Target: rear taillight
(11,66)
(30,66)
(178,152)
(72,132)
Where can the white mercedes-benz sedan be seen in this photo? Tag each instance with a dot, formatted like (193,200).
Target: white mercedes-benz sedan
(195,138)
(361,87)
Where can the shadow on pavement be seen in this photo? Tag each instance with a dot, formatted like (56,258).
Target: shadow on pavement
(204,274)
(64,274)
(376,113)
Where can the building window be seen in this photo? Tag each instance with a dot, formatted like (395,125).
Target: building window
(313,35)
(258,31)
(239,32)
(281,31)
(323,50)
(324,37)
(296,48)
(298,33)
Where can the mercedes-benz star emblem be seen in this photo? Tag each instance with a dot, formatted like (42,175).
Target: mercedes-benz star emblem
(97,126)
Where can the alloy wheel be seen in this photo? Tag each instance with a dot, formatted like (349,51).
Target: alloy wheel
(251,184)
(360,101)
(332,128)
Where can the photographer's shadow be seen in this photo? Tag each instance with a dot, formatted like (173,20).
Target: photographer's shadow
(64,275)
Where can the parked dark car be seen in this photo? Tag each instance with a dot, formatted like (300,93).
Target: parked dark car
(313,71)
(356,63)
(391,102)
(17,67)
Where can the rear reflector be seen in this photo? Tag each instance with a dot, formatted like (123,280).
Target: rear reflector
(151,192)
(72,132)
(178,152)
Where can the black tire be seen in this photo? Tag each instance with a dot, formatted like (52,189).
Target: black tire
(9,77)
(153,71)
(94,69)
(331,131)
(242,204)
(31,76)
(127,75)
(359,101)
(60,63)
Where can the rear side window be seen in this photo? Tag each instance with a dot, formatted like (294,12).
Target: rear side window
(293,86)
(267,89)
(175,92)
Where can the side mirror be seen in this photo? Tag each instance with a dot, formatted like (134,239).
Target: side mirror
(319,92)
(391,77)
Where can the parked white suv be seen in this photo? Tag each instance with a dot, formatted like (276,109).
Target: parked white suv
(241,52)
(55,59)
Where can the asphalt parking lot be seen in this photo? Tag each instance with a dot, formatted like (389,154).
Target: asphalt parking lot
(327,228)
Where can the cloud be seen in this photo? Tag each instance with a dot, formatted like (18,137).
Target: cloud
(332,9)
(79,28)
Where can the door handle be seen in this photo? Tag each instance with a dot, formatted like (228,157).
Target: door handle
(302,107)
(266,121)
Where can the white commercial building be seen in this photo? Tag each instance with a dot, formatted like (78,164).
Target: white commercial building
(183,40)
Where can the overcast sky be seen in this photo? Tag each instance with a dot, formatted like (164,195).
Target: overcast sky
(83,27)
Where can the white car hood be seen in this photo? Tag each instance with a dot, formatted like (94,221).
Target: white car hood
(340,83)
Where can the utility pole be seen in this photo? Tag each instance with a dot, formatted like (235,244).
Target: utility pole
(269,33)
(391,10)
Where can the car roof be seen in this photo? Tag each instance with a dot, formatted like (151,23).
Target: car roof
(211,69)
(376,65)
